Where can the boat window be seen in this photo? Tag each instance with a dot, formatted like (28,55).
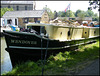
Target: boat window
(8,6)
(15,21)
(94,32)
(35,20)
(17,8)
(33,29)
(69,33)
(37,29)
(61,33)
(25,20)
(9,21)
(25,7)
(43,30)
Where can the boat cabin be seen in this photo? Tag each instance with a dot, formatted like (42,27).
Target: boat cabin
(62,33)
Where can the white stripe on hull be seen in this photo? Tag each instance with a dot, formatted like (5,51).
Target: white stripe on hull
(50,48)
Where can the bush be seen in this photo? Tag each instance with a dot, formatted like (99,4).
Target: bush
(4,10)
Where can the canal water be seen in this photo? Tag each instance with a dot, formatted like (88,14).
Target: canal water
(5,59)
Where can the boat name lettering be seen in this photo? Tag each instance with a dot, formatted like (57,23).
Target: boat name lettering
(23,42)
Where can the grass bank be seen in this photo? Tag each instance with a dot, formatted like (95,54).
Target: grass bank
(67,63)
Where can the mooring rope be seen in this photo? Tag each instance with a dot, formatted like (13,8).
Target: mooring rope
(41,54)
(46,49)
(43,61)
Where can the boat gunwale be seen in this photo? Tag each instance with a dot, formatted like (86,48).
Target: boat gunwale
(28,33)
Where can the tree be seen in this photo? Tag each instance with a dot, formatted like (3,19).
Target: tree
(94,4)
(81,16)
(59,13)
(4,10)
(63,14)
(55,14)
(69,13)
(77,12)
(89,13)
(95,17)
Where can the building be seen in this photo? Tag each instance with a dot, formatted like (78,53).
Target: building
(17,5)
(23,17)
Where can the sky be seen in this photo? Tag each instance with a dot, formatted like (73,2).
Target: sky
(62,5)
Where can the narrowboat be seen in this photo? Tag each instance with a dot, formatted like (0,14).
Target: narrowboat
(38,39)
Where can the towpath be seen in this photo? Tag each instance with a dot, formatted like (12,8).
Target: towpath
(92,69)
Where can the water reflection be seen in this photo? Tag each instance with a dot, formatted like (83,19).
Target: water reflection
(5,59)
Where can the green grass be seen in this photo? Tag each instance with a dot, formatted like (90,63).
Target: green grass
(61,64)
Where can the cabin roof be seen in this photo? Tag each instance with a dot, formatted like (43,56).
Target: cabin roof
(23,14)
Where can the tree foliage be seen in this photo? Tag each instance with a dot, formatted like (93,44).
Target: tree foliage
(89,13)
(95,17)
(59,13)
(4,10)
(69,13)
(77,12)
(94,4)
(81,15)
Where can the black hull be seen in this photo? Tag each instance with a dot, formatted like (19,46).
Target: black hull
(18,56)
(25,46)
(1,34)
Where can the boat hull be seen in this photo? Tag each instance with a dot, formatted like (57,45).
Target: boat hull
(27,46)
(18,56)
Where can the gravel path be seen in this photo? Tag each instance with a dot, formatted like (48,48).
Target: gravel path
(92,69)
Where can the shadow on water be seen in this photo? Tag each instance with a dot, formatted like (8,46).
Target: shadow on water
(5,59)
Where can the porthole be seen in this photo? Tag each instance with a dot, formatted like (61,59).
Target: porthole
(94,32)
(69,33)
(61,33)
